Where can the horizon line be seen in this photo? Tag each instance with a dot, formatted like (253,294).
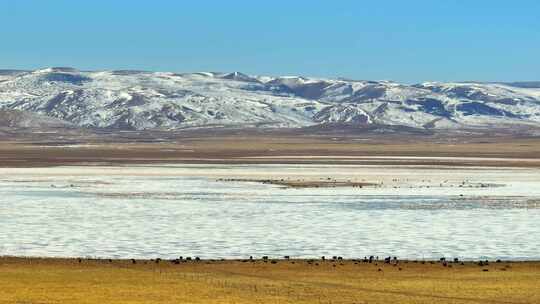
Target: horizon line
(340,78)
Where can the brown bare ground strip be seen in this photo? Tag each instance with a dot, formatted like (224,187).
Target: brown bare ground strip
(272,149)
(302,183)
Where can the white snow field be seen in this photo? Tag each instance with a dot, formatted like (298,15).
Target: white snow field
(182,210)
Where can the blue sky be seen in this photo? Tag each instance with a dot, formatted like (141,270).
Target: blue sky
(408,41)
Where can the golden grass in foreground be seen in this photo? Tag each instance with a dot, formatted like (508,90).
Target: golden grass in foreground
(68,281)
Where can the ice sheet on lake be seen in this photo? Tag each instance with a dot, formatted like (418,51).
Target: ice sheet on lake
(168,211)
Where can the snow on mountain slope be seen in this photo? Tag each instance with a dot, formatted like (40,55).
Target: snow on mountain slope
(22,119)
(137,100)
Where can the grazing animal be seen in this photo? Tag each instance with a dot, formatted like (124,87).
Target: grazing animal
(133,261)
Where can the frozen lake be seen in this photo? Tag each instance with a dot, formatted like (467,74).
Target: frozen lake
(171,211)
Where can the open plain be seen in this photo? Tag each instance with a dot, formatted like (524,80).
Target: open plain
(470,197)
(25,280)
(29,149)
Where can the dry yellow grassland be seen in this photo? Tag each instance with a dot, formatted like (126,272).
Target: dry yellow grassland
(104,281)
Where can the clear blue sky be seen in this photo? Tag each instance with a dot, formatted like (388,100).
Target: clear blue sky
(408,41)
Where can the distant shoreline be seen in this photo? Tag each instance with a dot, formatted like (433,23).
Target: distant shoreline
(268,259)
(38,150)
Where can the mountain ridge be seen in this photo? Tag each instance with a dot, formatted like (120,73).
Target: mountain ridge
(144,100)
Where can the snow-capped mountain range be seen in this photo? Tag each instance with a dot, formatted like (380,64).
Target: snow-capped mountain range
(138,100)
